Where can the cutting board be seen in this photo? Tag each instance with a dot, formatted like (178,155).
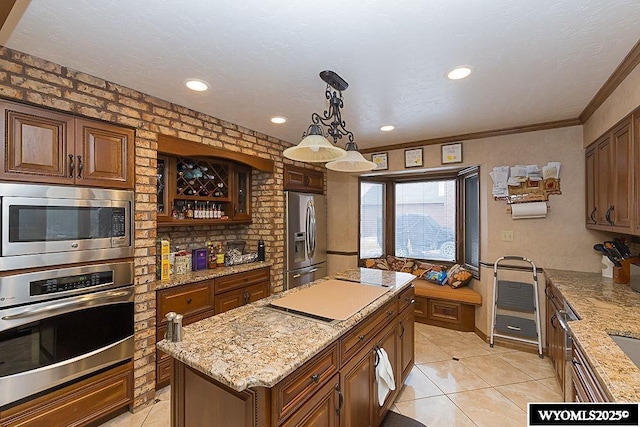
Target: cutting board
(332,299)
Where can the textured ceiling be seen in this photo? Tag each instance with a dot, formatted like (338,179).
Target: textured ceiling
(533,61)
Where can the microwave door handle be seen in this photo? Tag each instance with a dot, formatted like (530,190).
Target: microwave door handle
(67,306)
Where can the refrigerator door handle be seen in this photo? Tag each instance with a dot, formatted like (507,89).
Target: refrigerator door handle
(311,229)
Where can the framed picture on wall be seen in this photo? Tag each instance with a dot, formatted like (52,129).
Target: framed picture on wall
(413,158)
(452,153)
(381,161)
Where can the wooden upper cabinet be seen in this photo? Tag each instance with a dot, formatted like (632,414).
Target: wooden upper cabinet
(104,155)
(622,175)
(610,168)
(604,150)
(56,148)
(591,185)
(301,179)
(35,147)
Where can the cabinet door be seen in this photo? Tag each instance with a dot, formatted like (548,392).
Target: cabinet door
(406,335)
(229,300)
(356,383)
(388,340)
(242,193)
(104,155)
(257,292)
(36,148)
(591,185)
(622,175)
(320,410)
(604,191)
(314,181)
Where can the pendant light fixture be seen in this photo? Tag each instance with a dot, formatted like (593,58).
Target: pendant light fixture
(315,147)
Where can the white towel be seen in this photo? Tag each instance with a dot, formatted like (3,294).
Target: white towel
(384,376)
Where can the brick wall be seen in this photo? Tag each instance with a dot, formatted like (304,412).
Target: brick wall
(33,80)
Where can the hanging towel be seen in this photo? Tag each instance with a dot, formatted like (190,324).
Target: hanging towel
(384,376)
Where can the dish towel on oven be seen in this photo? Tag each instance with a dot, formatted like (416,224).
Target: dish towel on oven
(384,376)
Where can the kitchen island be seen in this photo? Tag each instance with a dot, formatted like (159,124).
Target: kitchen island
(259,366)
(605,308)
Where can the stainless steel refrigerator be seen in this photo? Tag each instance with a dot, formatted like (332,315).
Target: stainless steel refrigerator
(306,240)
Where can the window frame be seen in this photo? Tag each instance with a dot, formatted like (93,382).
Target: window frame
(390,181)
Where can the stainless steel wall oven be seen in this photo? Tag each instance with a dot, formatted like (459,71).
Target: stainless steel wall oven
(49,225)
(62,324)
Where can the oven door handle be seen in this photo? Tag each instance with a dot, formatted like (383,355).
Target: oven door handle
(84,301)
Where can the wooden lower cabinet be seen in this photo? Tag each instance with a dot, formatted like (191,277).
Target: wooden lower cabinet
(337,387)
(78,404)
(586,386)
(239,289)
(321,410)
(199,300)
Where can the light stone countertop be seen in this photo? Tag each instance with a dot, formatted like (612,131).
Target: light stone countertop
(197,276)
(604,308)
(257,346)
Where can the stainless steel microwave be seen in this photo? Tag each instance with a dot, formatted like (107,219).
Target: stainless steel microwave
(51,225)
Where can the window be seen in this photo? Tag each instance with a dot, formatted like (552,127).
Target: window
(371,219)
(431,216)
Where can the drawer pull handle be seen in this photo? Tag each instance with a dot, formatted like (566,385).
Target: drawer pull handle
(575,362)
(402,330)
(361,337)
(189,300)
(413,301)
(315,378)
(390,313)
(340,398)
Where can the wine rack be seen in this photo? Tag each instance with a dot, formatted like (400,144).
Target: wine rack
(200,179)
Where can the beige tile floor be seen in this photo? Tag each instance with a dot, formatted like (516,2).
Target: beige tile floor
(484,387)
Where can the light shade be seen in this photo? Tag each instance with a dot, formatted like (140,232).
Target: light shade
(352,162)
(314,148)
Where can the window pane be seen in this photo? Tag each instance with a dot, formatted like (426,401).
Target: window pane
(371,219)
(426,220)
(472,221)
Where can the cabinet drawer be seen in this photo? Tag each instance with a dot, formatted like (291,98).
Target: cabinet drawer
(444,311)
(77,404)
(586,384)
(240,280)
(186,300)
(406,297)
(294,390)
(357,338)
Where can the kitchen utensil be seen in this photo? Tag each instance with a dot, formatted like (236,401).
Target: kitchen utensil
(601,248)
(622,247)
(609,245)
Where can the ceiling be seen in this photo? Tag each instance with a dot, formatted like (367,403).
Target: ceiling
(533,61)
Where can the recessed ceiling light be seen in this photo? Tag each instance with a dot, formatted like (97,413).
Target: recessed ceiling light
(459,73)
(278,120)
(387,128)
(197,85)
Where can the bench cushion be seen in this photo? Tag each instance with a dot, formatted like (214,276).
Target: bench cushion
(431,290)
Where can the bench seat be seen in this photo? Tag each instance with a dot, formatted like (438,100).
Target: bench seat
(445,306)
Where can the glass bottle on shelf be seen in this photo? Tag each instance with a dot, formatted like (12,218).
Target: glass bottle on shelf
(189,211)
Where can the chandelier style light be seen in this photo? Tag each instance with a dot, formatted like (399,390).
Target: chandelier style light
(315,147)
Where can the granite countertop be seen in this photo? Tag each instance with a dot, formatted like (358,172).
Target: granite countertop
(257,346)
(197,276)
(604,308)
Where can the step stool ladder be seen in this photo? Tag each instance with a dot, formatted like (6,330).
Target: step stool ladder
(515,306)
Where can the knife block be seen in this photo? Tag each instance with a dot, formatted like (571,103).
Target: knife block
(621,274)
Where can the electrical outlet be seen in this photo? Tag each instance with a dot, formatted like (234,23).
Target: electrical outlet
(507,236)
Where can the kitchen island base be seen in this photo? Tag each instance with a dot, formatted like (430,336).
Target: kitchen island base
(336,387)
